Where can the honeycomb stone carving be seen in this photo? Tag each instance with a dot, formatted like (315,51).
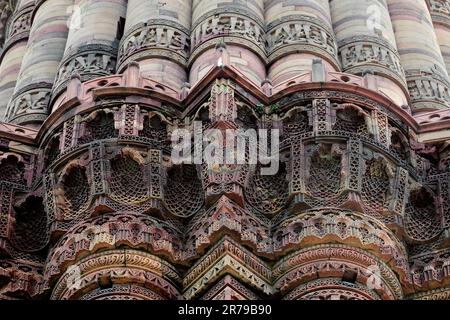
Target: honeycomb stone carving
(422,218)
(268,194)
(31,232)
(183,180)
(377,184)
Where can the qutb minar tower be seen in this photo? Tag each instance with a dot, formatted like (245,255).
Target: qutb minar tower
(94,205)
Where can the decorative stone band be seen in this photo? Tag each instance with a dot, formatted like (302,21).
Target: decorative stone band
(361,54)
(118,266)
(331,289)
(440,11)
(157,237)
(438,294)
(428,90)
(325,261)
(231,25)
(90,62)
(300,33)
(339,226)
(122,292)
(157,38)
(30,104)
(19,27)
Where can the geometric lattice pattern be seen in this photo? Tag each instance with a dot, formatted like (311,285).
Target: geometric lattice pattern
(127,181)
(350,120)
(155,130)
(375,185)
(324,178)
(422,219)
(99,128)
(76,192)
(184,193)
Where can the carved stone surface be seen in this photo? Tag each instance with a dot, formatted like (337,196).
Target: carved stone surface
(428,90)
(231,24)
(331,289)
(300,33)
(89,62)
(363,54)
(29,104)
(159,38)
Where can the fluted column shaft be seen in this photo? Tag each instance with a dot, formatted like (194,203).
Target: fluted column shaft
(239,25)
(48,35)
(420,54)
(157,37)
(298,32)
(14,50)
(91,48)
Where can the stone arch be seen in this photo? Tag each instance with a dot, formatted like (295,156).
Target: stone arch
(246,118)
(203,115)
(52,150)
